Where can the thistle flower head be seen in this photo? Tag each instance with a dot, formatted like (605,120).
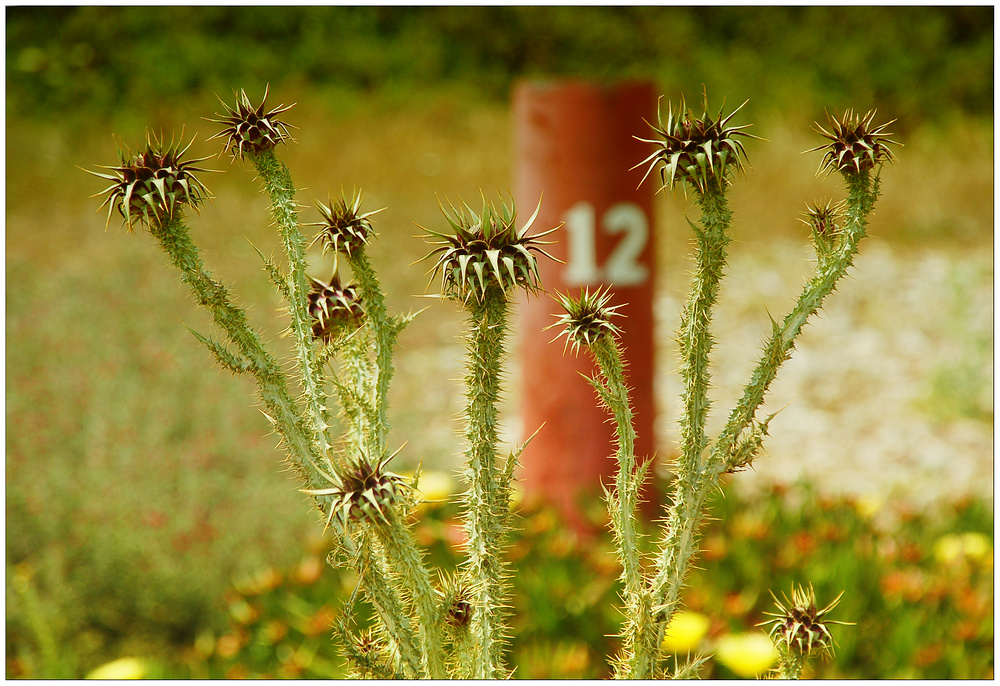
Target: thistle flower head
(344,228)
(856,145)
(486,251)
(823,219)
(801,627)
(362,490)
(587,318)
(333,307)
(250,129)
(696,151)
(457,597)
(151,185)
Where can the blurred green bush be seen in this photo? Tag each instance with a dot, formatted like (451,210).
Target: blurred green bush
(915,63)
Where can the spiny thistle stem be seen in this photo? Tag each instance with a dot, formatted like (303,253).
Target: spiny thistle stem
(278,185)
(486,507)
(402,550)
(862,193)
(279,406)
(640,652)
(385,329)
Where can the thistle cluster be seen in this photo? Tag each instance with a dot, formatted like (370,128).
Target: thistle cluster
(361,490)
(150,186)
(251,130)
(486,250)
(345,229)
(333,308)
(855,144)
(799,626)
(587,319)
(696,151)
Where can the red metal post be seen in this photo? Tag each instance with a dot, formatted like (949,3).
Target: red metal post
(575,148)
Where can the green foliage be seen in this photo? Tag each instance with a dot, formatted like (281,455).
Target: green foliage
(921,611)
(920,62)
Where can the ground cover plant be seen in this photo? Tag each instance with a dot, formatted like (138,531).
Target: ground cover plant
(343,339)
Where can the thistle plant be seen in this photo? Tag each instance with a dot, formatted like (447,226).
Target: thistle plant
(705,155)
(330,407)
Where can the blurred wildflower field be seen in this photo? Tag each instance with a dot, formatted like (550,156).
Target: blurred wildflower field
(149,531)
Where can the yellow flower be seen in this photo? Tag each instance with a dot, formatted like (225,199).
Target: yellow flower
(950,547)
(122,668)
(747,655)
(867,506)
(685,632)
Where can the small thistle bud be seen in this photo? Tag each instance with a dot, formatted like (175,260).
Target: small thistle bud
(696,151)
(587,318)
(800,627)
(855,145)
(251,130)
(362,491)
(344,229)
(151,185)
(457,597)
(823,219)
(486,251)
(333,308)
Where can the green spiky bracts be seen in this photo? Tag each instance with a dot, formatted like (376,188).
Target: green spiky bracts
(486,251)
(586,319)
(699,152)
(249,129)
(345,229)
(333,307)
(855,145)
(151,186)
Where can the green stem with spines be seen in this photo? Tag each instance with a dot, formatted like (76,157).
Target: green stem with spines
(640,653)
(279,406)
(278,185)
(831,267)
(790,663)
(697,478)
(487,500)
(402,551)
(385,329)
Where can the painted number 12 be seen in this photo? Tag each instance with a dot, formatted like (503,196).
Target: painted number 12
(622,267)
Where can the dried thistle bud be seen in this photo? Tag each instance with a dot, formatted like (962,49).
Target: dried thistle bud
(855,145)
(344,228)
(333,308)
(587,318)
(696,151)
(799,626)
(362,491)
(250,129)
(486,251)
(151,185)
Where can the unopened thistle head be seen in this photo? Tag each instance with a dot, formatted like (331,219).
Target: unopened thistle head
(700,152)
(587,319)
(151,185)
(486,251)
(362,490)
(344,228)
(249,129)
(823,219)
(333,307)
(855,144)
(799,626)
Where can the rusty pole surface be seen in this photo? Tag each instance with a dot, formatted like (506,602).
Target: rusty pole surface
(574,148)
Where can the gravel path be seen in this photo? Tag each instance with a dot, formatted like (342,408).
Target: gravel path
(889,394)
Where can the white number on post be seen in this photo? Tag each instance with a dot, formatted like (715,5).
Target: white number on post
(623,267)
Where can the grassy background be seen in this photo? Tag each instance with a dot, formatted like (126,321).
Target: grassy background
(137,475)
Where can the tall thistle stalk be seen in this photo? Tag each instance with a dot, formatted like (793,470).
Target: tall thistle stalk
(482,260)
(704,154)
